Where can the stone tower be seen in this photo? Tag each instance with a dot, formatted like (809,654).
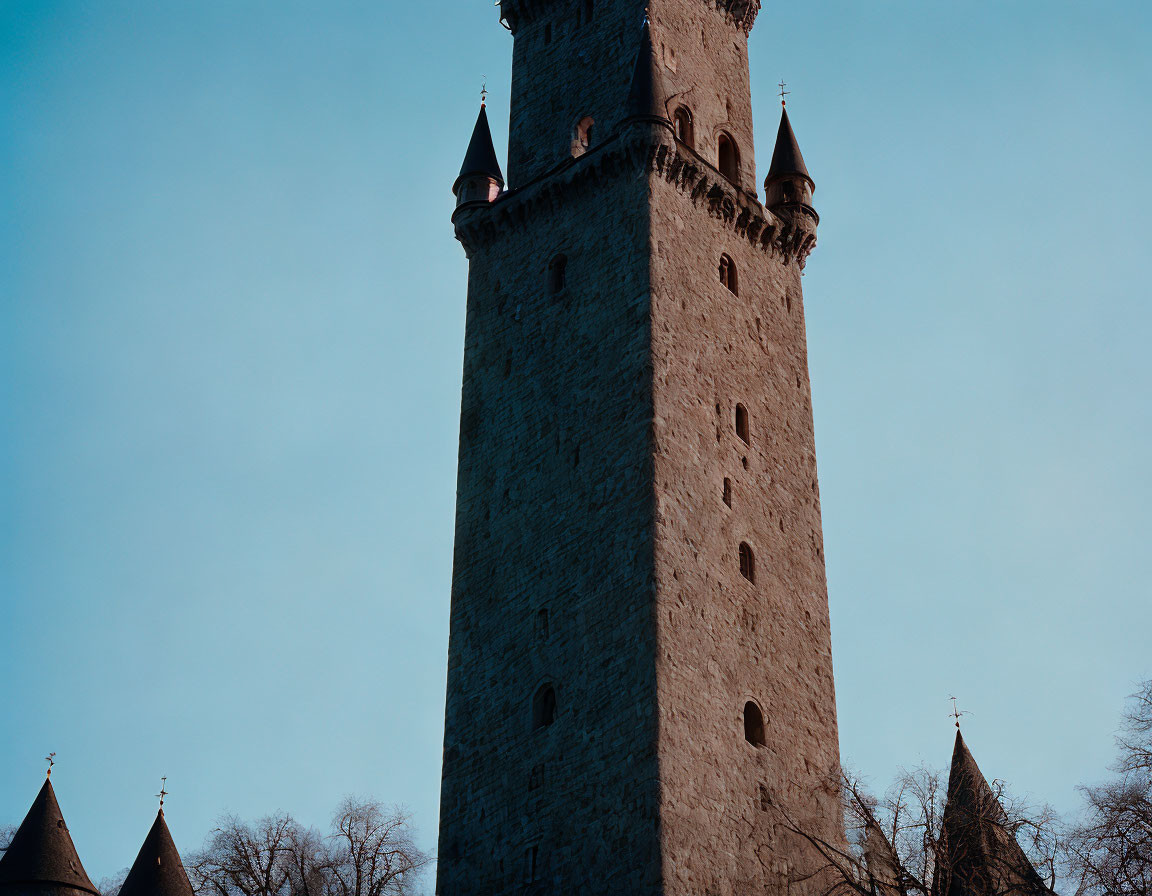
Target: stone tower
(640,695)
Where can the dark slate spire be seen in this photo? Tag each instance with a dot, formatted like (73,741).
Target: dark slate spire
(157,870)
(42,854)
(480,160)
(646,98)
(786,158)
(978,854)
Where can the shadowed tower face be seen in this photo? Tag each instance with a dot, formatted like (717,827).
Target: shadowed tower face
(640,693)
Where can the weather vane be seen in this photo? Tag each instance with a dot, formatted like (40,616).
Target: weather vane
(956,713)
(484,91)
(163,790)
(51,760)
(783,93)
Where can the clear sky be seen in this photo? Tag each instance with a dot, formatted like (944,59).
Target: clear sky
(231,326)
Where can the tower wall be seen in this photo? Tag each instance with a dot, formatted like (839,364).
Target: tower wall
(554,512)
(723,640)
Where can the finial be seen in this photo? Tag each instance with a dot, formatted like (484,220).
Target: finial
(956,713)
(163,790)
(484,91)
(783,93)
(51,760)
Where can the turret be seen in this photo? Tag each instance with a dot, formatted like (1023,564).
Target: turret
(480,177)
(788,187)
(42,860)
(157,870)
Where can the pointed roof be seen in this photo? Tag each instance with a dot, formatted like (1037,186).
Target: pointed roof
(157,870)
(480,159)
(786,158)
(646,97)
(978,855)
(42,851)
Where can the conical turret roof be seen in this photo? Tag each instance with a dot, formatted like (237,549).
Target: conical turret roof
(978,854)
(480,160)
(786,158)
(646,97)
(42,851)
(157,870)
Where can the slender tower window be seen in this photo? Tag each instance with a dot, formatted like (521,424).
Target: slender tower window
(728,158)
(728,491)
(742,429)
(683,123)
(747,563)
(753,724)
(728,274)
(557,273)
(544,707)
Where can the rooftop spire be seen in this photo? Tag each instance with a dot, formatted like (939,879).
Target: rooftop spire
(786,158)
(480,159)
(978,854)
(157,870)
(42,853)
(646,97)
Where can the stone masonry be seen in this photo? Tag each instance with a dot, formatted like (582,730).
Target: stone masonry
(604,492)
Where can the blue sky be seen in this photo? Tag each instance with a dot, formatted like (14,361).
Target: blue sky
(231,325)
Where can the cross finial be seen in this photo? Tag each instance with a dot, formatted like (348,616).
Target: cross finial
(783,93)
(163,790)
(956,713)
(51,760)
(484,91)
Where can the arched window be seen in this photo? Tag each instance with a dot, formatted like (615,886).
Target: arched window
(728,274)
(728,158)
(682,121)
(753,724)
(544,707)
(582,136)
(742,429)
(557,273)
(747,562)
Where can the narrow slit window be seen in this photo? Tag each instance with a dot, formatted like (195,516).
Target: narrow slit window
(544,707)
(743,431)
(548,33)
(557,274)
(542,624)
(747,563)
(683,125)
(728,158)
(753,725)
(589,9)
(727,270)
(728,491)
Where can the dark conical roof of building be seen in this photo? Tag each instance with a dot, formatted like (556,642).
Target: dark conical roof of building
(480,160)
(646,97)
(157,870)
(42,851)
(978,854)
(786,158)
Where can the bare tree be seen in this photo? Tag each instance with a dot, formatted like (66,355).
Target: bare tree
(247,860)
(110,886)
(371,851)
(1110,851)
(7,832)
